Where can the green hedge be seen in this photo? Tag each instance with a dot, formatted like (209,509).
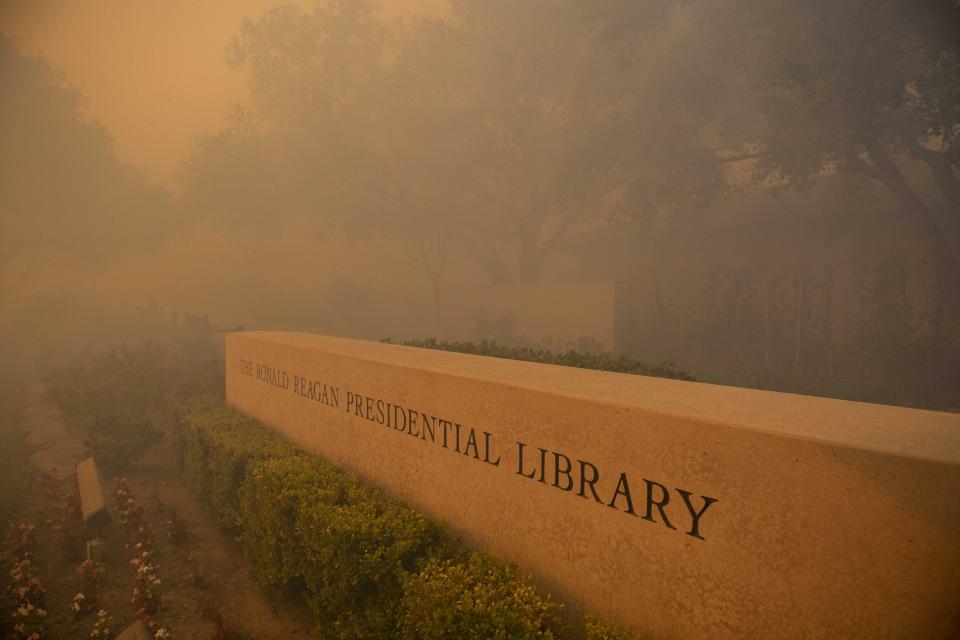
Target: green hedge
(604,361)
(367,565)
(358,556)
(216,446)
(271,501)
(599,630)
(474,598)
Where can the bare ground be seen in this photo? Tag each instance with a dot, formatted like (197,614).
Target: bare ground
(207,572)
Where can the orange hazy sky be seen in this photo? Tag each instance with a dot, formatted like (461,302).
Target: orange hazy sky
(154,72)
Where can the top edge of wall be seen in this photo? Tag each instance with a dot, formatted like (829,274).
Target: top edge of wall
(884,429)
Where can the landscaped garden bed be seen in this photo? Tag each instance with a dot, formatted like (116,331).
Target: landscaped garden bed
(193,584)
(222,529)
(367,565)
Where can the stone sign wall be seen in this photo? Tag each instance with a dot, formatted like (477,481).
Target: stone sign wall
(678,509)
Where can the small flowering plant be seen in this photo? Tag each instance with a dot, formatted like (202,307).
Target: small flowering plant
(102,627)
(28,622)
(25,584)
(156,631)
(91,576)
(146,586)
(121,489)
(79,604)
(128,511)
(70,529)
(20,538)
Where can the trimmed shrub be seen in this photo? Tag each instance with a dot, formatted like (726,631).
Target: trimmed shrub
(367,565)
(476,598)
(272,498)
(600,630)
(604,361)
(357,559)
(217,445)
(304,523)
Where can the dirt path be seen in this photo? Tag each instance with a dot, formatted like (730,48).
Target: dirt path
(205,572)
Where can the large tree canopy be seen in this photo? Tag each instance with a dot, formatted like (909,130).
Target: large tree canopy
(61,186)
(504,129)
(489,132)
(807,88)
(864,87)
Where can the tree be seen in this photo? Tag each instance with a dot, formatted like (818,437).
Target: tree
(303,146)
(862,88)
(800,89)
(655,73)
(61,185)
(496,125)
(524,140)
(472,135)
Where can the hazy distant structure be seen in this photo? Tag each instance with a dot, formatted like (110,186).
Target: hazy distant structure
(773,190)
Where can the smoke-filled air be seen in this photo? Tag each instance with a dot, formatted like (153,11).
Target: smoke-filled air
(759,195)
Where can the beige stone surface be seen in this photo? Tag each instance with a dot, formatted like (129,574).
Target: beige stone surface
(93,497)
(136,631)
(96,550)
(789,516)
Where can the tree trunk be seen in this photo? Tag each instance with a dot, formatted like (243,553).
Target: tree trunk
(529,263)
(829,331)
(929,231)
(798,333)
(766,331)
(942,170)
(945,180)
(488,259)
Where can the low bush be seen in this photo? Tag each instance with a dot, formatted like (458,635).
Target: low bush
(357,559)
(605,361)
(216,447)
(16,473)
(367,565)
(474,598)
(600,630)
(118,396)
(113,397)
(278,490)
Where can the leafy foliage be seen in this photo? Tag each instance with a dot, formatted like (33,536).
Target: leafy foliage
(113,397)
(23,596)
(60,179)
(360,544)
(357,560)
(474,598)
(600,630)
(278,490)
(101,629)
(216,445)
(492,132)
(117,396)
(367,565)
(618,363)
